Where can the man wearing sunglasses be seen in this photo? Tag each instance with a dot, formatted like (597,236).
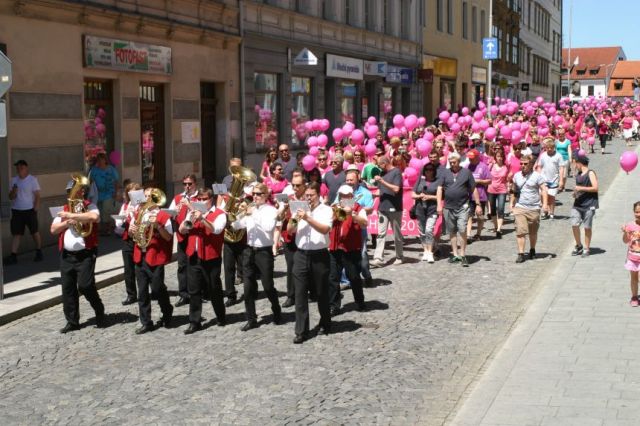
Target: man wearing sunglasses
(259,221)
(288,163)
(182,204)
(335,177)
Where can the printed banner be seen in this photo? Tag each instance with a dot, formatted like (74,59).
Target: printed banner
(100,52)
(409,226)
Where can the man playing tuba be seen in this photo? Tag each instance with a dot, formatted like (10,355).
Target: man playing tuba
(153,234)
(78,242)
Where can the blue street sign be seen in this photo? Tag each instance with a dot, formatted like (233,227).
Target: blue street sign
(489,48)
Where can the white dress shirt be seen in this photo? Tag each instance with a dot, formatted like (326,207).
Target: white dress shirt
(260,225)
(173,205)
(308,238)
(72,240)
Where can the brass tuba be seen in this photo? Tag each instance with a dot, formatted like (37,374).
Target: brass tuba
(241,177)
(144,230)
(76,204)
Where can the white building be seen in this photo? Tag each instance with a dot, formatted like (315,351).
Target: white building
(591,70)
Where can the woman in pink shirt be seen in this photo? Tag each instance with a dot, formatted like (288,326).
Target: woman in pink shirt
(276,182)
(631,237)
(513,163)
(497,190)
(270,156)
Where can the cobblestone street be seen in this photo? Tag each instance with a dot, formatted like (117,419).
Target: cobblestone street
(408,360)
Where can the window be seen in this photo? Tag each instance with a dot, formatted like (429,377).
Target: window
(590,90)
(581,72)
(616,85)
(439,14)
(483,24)
(386,22)
(474,24)
(465,20)
(447,93)
(300,107)
(347,12)
(347,97)
(514,49)
(368,16)
(450,16)
(98,119)
(594,71)
(386,105)
(266,108)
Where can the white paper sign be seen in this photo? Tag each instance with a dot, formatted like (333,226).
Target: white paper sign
(137,197)
(201,207)
(55,210)
(172,213)
(190,131)
(294,206)
(118,217)
(219,188)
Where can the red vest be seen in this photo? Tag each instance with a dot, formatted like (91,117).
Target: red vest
(126,222)
(159,250)
(182,214)
(91,241)
(346,235)
(286,237)
(209,244)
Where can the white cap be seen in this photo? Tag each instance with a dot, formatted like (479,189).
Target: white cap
(475,136)
(345,190)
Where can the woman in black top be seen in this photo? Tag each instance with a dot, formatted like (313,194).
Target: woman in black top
(425,193)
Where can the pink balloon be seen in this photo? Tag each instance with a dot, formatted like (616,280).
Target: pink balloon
(411,122)
(372,131)
(308,162)
(478,116)
(502,109)
(444,115)
(539,99)
(516,126)
(323,140)
(475,127)
(455,128)
(370,149)
(308,125)
(484,125)
(542,120)
(411,174)
(97,120)
(317,125)
(581,153)
(115,158)
(481,105)
(357,136)
(314,151)
(494,110)
(628,161)
(428,136)
(543,131)
(505,132)
(347,129)
(415,163)
(465,111)
(337,134)
(101,129)
(516,136)
(490,133)
(398,120)
(372,120)
(324,125)
(422,121)
(312,141)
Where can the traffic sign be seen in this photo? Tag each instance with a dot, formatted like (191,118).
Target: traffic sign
(5,74)
(305,57)
(489,48)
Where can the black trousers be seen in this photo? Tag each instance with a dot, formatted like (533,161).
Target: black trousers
(311,269)
(151,276)
(129,268)
(77,273)
(254,261)
(183,288)
(289,251)
(351,262)
(204,278)
(232,255)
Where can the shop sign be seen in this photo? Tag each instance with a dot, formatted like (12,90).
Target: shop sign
(305,57)
(478,75)
(190,131)
(375,68)
(399,75)
(121,55)
(343,67)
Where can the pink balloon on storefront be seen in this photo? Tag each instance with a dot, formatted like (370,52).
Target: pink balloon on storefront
(115,158)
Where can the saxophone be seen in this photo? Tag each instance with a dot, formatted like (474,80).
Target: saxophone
(76,204)
(144,229)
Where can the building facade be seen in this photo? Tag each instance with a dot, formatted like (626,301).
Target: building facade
(624,81)
(539,49)
(343,60)
(453,72)
(153,84)
(586,71)
(506,29)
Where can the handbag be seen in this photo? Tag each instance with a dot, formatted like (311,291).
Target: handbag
(412,211)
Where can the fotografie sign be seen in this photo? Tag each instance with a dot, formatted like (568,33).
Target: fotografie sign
(100,52)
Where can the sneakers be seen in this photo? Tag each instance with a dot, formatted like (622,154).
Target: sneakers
(634,302)
(376,263)
(454,259)
(552,217)
(398,261)
(520,258)
(428,257)
(464,262)
(577,251)
(545,216)
(38,257)
(532,253)
(585,253)
(498,234)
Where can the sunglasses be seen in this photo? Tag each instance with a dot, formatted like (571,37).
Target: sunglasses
(322,159)
(524,164)
(204,199)
(297,185)
(284,150)
(335,162)
(278,169)
(187,183)
(309,195)
(258,194)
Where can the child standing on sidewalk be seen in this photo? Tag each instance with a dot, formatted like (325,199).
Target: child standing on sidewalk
(631,237)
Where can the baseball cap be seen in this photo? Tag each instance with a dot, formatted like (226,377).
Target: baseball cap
(475,136)
(345,190)
(582,159)
(20,163)
(473,153)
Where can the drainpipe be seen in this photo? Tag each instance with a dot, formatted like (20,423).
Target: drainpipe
(243,126)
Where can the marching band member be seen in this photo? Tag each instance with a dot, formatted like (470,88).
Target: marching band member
(345,250)
(149,263)
(311,260)
(122,229)
(181,204)
(259,220)
(78,257)
(205,237)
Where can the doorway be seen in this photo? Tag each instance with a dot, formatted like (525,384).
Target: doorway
(208,125)
(152,135)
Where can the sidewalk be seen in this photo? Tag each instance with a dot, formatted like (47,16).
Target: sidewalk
(569,360)
(31,287)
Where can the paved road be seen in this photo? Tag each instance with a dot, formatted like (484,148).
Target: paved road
(408,360)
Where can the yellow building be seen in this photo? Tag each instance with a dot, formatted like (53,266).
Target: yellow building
(453,72)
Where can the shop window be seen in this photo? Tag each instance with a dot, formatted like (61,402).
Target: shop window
(447,94)
(266,108)
(348,95)
(300,107)
(386,107)
(590,90)
(98,120)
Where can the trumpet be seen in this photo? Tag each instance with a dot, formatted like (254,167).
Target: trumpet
(188,221)
(243,208)
(339,213)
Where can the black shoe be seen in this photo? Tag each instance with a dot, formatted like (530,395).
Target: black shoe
(324,328)
(577,251)
(464,262)
(362,307)
(69,327)
(313,298)
(532,254)
(181,302)
(129,301)
(499,235)
(249,325)
(368,282)
(288,303)
(38,257)
(298,339)
(334,311)
(230,302)
(166,320)
(100,321)
(12,259)
(193,327)
(520,258)
(277,316)
(144,329)
(222,322)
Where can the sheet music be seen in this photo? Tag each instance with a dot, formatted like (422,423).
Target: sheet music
(219,188)
(170,212)
(294,206)
(282,198)
(201,207)
(55,210)
(137,197)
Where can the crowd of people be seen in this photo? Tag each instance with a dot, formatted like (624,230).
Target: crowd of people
(466,170)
